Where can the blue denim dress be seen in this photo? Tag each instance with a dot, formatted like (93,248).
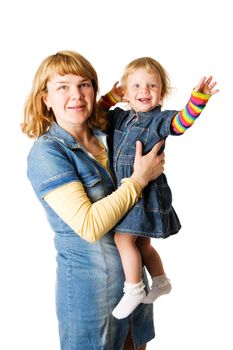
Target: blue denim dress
(153,215)
(89,276)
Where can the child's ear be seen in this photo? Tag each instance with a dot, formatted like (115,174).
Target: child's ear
(124,95)
(161,101)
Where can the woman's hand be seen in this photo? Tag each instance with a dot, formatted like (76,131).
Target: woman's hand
(149,166)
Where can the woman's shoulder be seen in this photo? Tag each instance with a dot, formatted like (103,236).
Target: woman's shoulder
(43,145)
(48,165)
(47,155)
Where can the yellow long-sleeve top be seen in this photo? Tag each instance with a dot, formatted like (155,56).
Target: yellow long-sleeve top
(92,220)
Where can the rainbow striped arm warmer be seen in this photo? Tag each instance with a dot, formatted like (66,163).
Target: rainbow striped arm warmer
(187,116)
(107,101)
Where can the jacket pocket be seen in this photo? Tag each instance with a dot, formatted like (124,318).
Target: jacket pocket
(93,186)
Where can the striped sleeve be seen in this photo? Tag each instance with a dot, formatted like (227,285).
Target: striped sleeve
(187,116)
(107,101)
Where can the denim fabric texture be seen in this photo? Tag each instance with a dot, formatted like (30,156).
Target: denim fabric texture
(90,277)
(153,215)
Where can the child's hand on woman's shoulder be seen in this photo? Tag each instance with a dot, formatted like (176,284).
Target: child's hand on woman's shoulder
(117,92)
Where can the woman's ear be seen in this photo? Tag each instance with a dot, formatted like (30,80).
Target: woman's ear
(45,100)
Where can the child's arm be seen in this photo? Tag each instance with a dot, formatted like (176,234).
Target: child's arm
(198,100)
(111,98)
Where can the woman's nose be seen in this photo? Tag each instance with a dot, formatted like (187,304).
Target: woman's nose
(77,93)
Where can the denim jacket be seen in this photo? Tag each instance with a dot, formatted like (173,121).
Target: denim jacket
(90,277)
(153,215)
(55,159)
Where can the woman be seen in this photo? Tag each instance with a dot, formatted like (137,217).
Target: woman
(68,169)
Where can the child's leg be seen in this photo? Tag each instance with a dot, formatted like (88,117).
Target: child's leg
(151,259)
(130,257)
(133,288)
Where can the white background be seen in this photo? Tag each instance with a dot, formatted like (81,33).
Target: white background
(191,39)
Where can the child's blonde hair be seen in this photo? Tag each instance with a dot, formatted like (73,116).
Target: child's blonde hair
(151,65)
(37,119)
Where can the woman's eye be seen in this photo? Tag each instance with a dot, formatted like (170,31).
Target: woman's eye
(63,87)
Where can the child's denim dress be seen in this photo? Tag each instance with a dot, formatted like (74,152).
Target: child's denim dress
(90,277)
(153,215)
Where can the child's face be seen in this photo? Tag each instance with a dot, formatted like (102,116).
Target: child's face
(143,90)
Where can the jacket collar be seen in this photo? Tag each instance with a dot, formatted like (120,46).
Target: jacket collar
(141,116)
(61,135)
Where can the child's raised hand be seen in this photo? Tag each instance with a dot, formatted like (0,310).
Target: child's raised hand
(206,86)
(117,92)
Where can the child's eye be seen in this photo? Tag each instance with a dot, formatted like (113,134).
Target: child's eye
(136,86)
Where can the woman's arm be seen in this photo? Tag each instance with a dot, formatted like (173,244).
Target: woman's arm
(92,220)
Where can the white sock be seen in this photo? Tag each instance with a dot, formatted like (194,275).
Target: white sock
(133,295)
(160,285)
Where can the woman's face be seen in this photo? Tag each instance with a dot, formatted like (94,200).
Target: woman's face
(71,98)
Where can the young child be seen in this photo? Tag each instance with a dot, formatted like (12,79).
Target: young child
(145,84)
